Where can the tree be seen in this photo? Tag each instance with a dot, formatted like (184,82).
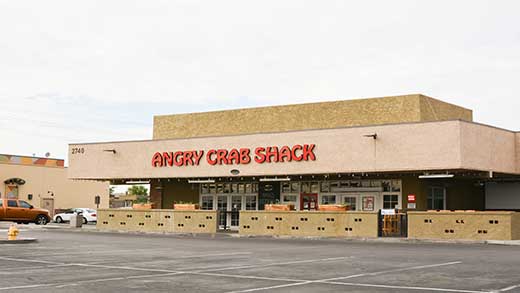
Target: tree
(140,191)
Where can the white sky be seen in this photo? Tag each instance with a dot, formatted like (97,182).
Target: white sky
(85,71)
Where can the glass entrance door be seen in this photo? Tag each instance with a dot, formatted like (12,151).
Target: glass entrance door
(236,206)
(222,207)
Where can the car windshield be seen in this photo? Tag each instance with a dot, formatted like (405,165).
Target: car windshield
(24,204)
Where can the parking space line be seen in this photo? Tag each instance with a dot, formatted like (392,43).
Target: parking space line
(61,285)
(207,269)
(126,268)
(403,287)
(246,277)
(31,260)
(271,287)
(329,280)
(509,288)
(393,271)
(28,286)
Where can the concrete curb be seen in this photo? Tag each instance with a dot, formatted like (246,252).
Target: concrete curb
(18,241)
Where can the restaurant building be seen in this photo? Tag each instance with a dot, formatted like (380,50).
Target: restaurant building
(44,183)
(407,152)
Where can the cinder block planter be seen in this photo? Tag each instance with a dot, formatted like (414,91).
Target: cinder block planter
(279,207)
(143,206)
(333,207)
(185,206)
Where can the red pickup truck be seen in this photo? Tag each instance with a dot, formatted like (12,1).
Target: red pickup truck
(22,212)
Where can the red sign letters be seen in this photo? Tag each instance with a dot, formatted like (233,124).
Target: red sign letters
(260,155)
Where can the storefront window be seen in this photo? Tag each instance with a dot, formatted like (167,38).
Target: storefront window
(350,201)
(295,187)
(355,184)
(204,188)
(328,199)
(227,188)
(315,187)
(325,186)
(206,202)
(306,187)
(436,198)
(365,183)
(390,201)
(387,185)
(234,188)
(220,188)
(289,198)
(250,202)
(376,183)
(286,187)
(241,188)
(396,185)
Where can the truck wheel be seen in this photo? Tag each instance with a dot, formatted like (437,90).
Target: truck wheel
(41,220)
(59,220)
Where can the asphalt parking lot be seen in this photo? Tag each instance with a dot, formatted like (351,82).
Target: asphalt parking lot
(66,261)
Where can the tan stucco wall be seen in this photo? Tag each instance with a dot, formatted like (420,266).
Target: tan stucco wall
(487,148)
(415,146)
(463,225)
(518,152)
(375,111)
(67,193)
(327,224)
(400,147)
(157,221)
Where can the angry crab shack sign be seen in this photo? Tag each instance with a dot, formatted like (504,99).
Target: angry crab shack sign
(235,156)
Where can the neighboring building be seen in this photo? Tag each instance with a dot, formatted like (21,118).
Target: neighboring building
(43,182)
(404,152)
(122,200)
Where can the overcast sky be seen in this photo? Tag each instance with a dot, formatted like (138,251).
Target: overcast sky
(86,71)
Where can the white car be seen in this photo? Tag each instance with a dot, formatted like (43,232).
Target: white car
(89,215)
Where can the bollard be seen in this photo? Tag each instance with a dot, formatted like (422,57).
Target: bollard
(13,232)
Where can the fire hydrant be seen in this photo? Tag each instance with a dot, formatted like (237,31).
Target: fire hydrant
(13,232)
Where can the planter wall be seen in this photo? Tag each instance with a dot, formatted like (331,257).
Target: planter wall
(309,223)
(279,207)
(141,206)
(143,220)
(185,206)
(333,207)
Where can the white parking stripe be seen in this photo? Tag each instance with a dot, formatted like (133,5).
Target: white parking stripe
(31,260)
(393,271)
(246,277)
(209,269)
(403,287)
(61,285)
(329,280)
(509,288)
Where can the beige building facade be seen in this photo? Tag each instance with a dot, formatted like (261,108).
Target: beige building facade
(408,152)
(44,183)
